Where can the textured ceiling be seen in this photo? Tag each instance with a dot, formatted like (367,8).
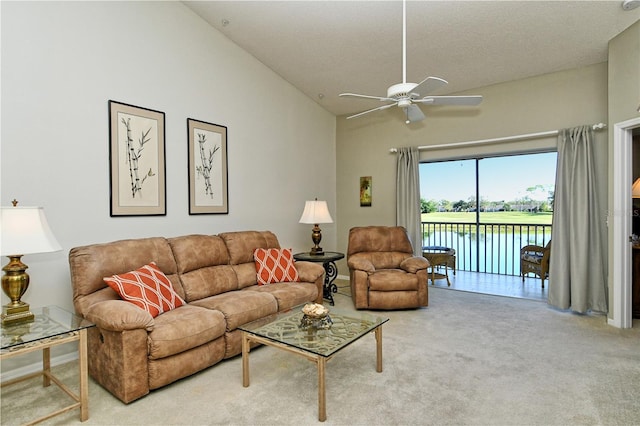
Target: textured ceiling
(328,47)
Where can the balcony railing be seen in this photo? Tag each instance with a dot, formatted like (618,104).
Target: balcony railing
(492,248)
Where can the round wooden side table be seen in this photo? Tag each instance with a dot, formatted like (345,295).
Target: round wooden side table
(440,256)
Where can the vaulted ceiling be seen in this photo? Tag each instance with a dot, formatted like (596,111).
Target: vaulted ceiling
(328,47)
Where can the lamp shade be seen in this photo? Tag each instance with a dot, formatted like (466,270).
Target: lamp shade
(635,189)
(316,212)
(24,230)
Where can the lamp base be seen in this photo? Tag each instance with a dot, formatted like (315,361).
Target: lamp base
(316,251)
(16,314)
(316,237)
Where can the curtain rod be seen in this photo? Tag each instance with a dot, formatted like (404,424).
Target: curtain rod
(597,126)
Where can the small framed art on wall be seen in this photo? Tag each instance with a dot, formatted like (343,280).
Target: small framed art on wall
(365,191)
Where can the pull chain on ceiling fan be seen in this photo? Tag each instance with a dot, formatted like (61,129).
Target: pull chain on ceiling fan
(409,95)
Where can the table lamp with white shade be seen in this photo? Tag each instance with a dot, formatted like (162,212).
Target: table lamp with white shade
(23,230)
(316,212)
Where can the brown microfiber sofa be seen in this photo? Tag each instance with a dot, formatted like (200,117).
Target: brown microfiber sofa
(131,353)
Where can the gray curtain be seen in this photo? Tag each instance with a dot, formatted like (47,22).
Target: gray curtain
(408,195)
(577,275)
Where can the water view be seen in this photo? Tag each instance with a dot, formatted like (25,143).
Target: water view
(489,219)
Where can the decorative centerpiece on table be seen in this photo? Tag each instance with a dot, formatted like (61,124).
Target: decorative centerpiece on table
(315,316)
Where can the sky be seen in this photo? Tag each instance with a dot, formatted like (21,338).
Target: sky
(501,178)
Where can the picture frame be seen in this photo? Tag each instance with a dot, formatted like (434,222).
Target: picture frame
(207,164)
(365,191)
(137,161)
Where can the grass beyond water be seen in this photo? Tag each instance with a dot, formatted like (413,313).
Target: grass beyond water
(542,218)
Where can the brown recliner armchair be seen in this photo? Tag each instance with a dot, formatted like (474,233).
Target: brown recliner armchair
(383,271)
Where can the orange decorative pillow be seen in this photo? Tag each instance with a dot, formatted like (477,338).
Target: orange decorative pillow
(147,288)
(275,266)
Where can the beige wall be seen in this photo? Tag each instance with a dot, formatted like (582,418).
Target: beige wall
(624,75)
(61,66)
(548,102)
(624,100)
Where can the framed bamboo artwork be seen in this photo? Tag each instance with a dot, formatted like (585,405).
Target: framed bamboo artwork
(137,159)
(365,191)
(208,190)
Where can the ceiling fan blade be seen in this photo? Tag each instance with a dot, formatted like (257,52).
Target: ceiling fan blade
(379,98)
(380,108)
(450,100)
(414,113)
(428,85)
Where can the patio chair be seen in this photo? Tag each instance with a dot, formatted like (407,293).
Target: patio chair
(535,259)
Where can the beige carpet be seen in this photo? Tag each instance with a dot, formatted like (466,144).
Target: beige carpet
(467,359)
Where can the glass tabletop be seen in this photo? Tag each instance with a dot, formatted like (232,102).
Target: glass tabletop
(50,321)
(286,327)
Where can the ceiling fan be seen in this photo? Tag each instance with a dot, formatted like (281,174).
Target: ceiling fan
(409,95)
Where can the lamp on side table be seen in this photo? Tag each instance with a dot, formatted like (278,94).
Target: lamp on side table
(23,230)
(316,212)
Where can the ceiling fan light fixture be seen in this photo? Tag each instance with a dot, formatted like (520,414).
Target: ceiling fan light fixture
(630,4)
(409,95)
(400,90)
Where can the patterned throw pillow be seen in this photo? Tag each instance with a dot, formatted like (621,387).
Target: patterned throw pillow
(147,288)
(275,266)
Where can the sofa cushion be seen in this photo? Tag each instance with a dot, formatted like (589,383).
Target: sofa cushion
(146,287)
(288,295)
(203,265)
(184,328)
(246,274)
(275,266)
(242,244)
(208,281)
(240,307)
(532,257)
(196,251)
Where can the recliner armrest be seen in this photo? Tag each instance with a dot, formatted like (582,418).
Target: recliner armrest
(414,264)
(119,315)
(361,264)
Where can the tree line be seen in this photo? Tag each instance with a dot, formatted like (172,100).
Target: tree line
(525,203)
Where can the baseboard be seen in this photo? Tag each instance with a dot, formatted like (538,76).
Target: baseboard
(37,366)
(343,277)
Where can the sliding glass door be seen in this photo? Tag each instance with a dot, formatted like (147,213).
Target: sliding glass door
(488,208)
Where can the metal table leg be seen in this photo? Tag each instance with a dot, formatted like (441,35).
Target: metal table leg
(330,274)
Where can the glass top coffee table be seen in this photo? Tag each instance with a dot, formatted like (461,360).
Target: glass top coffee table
(285,330)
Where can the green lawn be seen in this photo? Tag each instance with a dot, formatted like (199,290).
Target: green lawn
(492,217)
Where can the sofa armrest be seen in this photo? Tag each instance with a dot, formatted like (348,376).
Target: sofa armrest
(308,271)
(414,264)
(361,264)
(119,315)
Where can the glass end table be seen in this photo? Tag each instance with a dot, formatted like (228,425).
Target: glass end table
(51,326)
